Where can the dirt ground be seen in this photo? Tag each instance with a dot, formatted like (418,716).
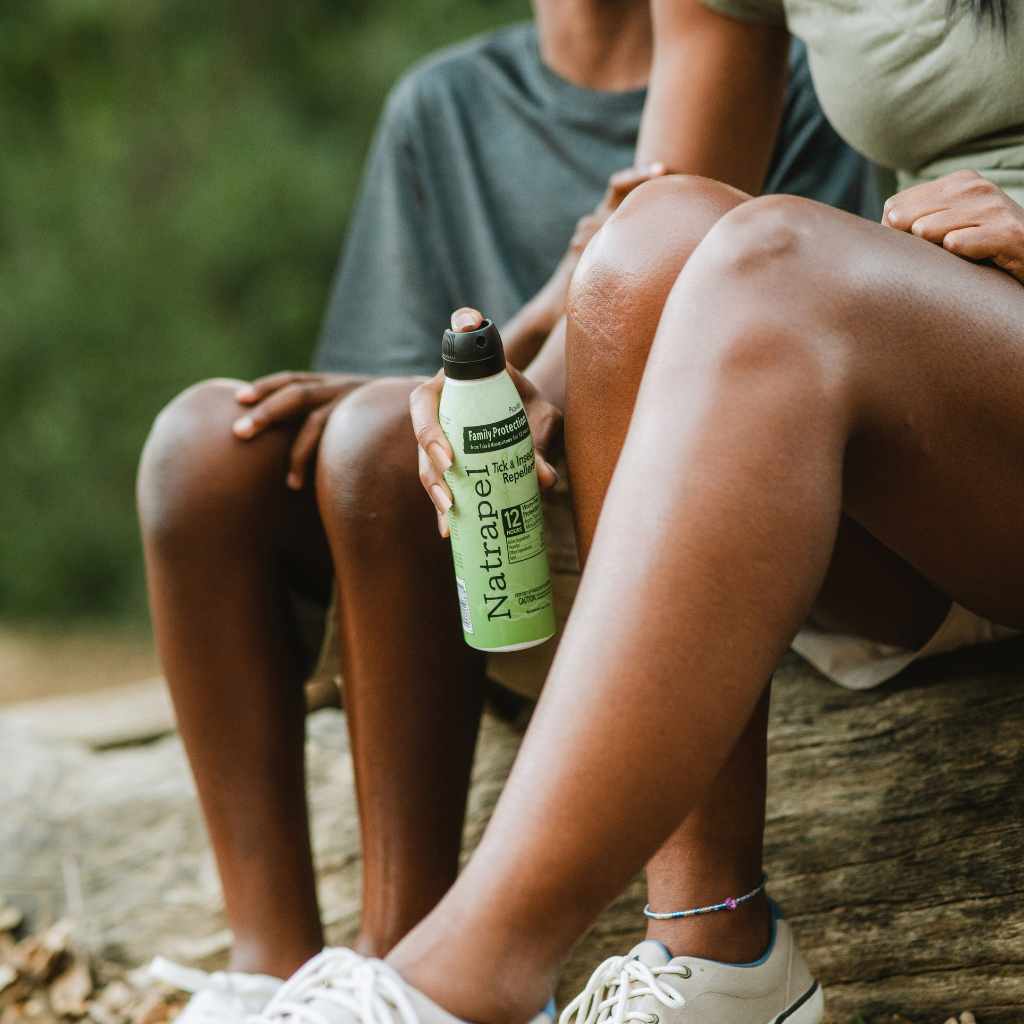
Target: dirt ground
(48,662)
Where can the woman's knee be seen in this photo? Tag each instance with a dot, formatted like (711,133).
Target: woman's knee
(793,256)
(193,471)
(366,466)
(626,272)
(763,238)
(764,294)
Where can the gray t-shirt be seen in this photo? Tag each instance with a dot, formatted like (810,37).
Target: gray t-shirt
(483,161)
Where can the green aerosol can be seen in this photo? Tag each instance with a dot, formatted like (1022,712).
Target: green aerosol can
(497,519)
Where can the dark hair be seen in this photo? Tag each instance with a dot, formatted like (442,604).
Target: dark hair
(991,12)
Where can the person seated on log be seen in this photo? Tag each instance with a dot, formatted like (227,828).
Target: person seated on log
(775,412)
(254,494)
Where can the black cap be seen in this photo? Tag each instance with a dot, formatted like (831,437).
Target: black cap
(470,355)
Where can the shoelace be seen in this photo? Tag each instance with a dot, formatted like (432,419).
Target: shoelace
(210,991)
(614,984)
(367,989)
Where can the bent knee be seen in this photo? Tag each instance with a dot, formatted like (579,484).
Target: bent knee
(194,411)
(626,272)
(651,234)
(775,269)
(366,465)
(760,299)
(787,240)
(190,465)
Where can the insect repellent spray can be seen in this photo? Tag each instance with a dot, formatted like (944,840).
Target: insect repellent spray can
(496,521)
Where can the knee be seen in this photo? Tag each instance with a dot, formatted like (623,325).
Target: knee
(186,475)
(652,232)
(766,237)
(765,292)
(366,466)
(626,272)
(792,254)
(763,309)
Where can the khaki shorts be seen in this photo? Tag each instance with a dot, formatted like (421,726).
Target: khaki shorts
(850,661)
(860,664)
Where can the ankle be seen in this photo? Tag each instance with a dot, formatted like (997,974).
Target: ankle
(255,958)
(459,974)
(375,944)
(383,927)
(730,936)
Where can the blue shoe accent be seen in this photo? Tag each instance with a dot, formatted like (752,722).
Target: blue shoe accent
(551,1010)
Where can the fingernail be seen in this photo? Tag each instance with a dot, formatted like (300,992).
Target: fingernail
(244,394)
(439,456)
(657,167)
(243,427)
(295,481)
(442,524)
(464,321)
(892,217)
(441,500)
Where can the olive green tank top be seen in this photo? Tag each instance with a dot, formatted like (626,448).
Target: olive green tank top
(909,86)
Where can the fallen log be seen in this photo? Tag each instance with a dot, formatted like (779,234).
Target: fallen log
(894,840)
(895,832)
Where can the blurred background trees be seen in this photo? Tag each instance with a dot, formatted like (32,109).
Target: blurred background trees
(175,181)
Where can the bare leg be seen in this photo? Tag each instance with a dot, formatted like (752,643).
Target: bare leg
(222,534)
(774,398)
(224,541)
(868,591)
(716,851)
(413,689)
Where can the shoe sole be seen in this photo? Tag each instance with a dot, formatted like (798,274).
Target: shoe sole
(808,1009)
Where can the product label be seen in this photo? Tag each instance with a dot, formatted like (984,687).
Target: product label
(523,526)
(497,520)
(489,437)
(467,618)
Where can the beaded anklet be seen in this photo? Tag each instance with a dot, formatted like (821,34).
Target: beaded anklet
(730,904)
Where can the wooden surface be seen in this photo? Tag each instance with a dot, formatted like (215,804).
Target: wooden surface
(895,837)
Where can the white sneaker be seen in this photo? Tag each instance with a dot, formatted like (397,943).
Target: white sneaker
(224,997)
(340,987)
(650,986)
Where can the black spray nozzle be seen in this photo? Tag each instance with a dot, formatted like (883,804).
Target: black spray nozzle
(470,355)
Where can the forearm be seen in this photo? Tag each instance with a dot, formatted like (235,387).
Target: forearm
(547,369)
(526,334)
(716,95)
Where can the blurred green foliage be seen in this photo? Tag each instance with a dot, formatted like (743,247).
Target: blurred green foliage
(175,180)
